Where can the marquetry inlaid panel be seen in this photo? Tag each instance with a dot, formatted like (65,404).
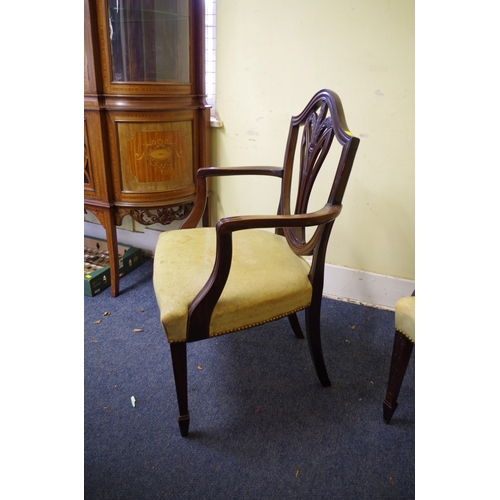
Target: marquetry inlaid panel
(92,155)
(158,156)
(153,156)
(88,176)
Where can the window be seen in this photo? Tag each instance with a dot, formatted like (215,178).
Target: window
(210,59)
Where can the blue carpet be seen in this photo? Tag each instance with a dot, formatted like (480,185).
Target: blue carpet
(262,427)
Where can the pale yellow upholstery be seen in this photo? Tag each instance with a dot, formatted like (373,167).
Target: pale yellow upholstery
(405,317)
(267,280)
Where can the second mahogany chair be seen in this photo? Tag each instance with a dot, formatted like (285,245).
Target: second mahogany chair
(213,281)
(404,341)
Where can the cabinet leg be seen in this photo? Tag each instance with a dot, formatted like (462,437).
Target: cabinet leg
(110,227)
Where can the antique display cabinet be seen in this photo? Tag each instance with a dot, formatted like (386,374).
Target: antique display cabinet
(147,125)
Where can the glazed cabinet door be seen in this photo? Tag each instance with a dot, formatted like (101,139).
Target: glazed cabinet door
(146,46)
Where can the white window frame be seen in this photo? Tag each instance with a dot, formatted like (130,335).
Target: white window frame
(210,50)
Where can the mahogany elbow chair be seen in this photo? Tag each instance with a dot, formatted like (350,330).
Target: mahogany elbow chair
(404,341)
(213,281)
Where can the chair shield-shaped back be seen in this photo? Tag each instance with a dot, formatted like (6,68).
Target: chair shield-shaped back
(321,122)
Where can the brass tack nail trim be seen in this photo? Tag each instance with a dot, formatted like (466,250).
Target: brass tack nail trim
(407,336)
(248,326)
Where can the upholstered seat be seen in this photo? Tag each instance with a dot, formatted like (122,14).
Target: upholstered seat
(267,280)
(212,281)
(405,317)
(404,340)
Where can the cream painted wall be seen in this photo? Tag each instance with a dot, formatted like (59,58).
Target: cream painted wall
(272,56)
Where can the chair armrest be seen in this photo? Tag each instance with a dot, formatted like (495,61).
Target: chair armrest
(204,303)
(322,216)
(201,186)
(220,171)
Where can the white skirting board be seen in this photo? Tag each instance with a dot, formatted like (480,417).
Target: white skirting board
(341,283)
(366,288)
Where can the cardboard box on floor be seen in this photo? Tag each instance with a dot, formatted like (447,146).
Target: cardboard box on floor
(98,277)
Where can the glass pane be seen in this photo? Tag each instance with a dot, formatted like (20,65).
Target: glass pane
(149,40)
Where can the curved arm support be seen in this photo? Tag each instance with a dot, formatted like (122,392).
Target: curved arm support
(201,187)
(322,216)
(200,310)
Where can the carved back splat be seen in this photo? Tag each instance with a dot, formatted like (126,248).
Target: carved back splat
(321,122)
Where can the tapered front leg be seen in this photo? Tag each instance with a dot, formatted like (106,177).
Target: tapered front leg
(401,353)
(179,363)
